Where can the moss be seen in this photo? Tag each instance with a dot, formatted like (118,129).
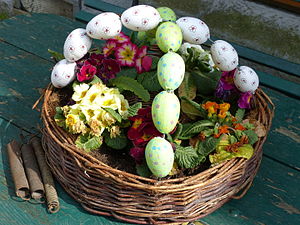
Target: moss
(3,16)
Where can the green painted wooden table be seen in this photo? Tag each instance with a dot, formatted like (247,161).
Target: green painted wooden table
(25,70)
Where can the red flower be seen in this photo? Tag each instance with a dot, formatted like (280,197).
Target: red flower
(143,62)
(120,38)
(138,154)
(109,47)
(126,53)
(87,72)
(141,132)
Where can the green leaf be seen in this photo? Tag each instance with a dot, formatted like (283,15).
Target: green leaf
(169,138)
(197,127)
(187,88)
(252,136)
(59,117)
(187,157)
(133,109)
(116,115)
(232,139)
(206,82)
(239,115)
(196,106)
(178,131)
(118,142)
(88,142)
(155,60)
(245,151)
(143,170)
(56,55)
(95,80)
(127,72)
(132,85)
(149,81)
(207,146)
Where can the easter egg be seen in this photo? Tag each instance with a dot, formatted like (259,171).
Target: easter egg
(224,55)
(170,71)
(165,111)
(140,18)
(168,36)
(104,26)
(63,73)
(194,30)
(167,14)
(159,156)
(77,44)
(246,79)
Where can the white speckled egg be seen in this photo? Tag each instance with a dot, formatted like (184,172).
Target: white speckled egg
(77,44)
(63,73)
(140,18)
(170,71)
(104,26)
(224,55)
(168,36)
(246,79)
(194,30)
(165,111)
(159,156)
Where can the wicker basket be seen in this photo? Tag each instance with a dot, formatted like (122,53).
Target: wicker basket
(106,191)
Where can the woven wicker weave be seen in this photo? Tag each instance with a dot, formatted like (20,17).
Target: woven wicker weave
(104,190)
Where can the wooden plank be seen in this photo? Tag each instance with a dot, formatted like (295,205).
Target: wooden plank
(279,84)
(283,143)
(265,59)
(103,6)
(84,16)
(23,76)
(272,199)
(42,31)
(24,213)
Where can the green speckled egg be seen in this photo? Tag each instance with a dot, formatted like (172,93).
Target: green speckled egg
(169,37)
(165,111)
(159,156)
(167,14)
(170,71)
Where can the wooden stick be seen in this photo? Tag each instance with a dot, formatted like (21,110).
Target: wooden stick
(17,170)
(50,191)
(33,173)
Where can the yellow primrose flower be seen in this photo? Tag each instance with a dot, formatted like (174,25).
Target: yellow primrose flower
(92,93)
(114,131)
(123,106)
(87,112)
(96,128)
(75,125)
(105,118)
(80,92)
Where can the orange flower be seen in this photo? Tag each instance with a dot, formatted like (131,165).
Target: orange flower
(239,126)
(224,107)
(222,114)
(211,107)
(222,130)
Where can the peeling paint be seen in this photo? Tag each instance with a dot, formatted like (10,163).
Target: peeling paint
(3,103)
(276,188)
(15,93)
(288,208)
(286,132)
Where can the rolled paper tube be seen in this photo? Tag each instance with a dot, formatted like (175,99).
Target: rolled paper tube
(50,191)
(33,173)
(17,170)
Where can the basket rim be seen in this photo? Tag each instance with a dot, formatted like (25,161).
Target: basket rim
(181,183)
